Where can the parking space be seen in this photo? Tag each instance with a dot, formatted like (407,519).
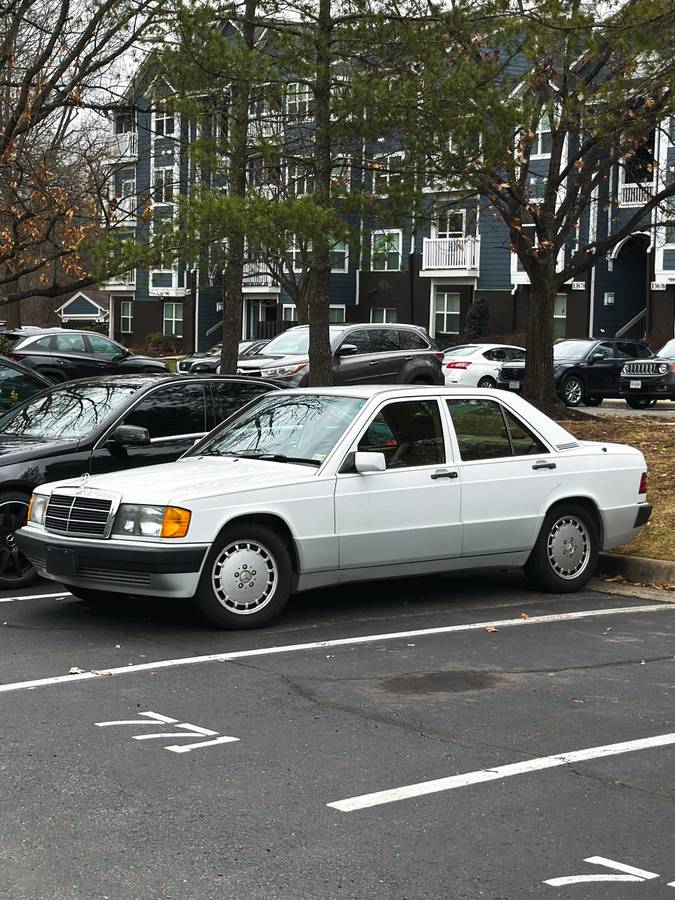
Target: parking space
(509,738)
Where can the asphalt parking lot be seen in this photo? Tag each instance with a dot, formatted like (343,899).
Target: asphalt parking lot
(448,737)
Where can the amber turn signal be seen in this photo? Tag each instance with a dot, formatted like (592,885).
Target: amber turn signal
(30,506)
(176,522)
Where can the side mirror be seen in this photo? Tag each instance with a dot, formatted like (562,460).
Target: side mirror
(597,356)
(347,350)
(369,462)
(130,436)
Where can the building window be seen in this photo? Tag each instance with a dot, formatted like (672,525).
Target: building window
(543,142)
(608,298)
(336,315)
(560,316)
(126,317)
(339,256)
(380,315)
(298,100)
(299,253)
(446,312)
(173,319)
(340,174)
(450,223)
(289,313)
(386,251)
(670,216)
(388,172)
(124,122)
(299,180)
(163,123)
(671,130)
(164,185)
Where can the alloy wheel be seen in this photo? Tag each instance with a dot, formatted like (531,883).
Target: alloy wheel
(244,577)
(568,547)
(13,564)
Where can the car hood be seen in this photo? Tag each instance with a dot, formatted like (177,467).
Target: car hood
(193,478)
(15,448)
(267,361)
(141,358)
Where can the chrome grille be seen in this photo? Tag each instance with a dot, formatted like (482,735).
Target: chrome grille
(641,368)
(77,514)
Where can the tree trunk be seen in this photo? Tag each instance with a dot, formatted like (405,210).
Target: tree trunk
(234,268)
(539,386)
(320,355)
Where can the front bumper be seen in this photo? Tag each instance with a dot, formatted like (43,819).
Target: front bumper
(509,385)
(116,566)
(651,388)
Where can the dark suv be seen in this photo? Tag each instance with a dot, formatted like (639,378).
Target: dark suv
(643,382)
(586,370)
(362,354)
(62,354)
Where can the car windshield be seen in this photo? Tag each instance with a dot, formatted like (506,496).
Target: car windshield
(285,428)
(571,349)
(460,350)
(294,342)
(668,351)
(68,412)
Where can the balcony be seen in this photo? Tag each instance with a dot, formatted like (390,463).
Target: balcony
(450,256)
(123,212)
(125,281)
(257,278)
(122,147)
(635,194)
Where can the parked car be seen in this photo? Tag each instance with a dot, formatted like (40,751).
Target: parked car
(102,425)
(478,364)
(586,370)
(62,354)
(362,354)
(210,362)
(318,487)
(18,384)
(644,382)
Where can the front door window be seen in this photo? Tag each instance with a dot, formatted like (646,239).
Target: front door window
(408,434)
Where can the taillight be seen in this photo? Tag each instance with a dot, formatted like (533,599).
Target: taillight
(17,356)
(644,483)
(458,365)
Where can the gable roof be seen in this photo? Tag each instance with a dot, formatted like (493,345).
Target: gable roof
(82,307)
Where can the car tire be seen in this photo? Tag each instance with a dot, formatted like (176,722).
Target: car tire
(15,570)
(594,401)
(247,576)
(420,379)
(565,555)
(640,402)
(486,382)
(572,390)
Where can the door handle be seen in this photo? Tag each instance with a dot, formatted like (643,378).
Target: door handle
(544,465)
(373,363)
(443,473)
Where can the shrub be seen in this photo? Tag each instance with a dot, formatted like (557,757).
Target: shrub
(164,342)
(477,322)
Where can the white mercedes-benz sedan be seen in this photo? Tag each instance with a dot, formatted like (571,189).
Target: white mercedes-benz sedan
(315,487)
(478,364)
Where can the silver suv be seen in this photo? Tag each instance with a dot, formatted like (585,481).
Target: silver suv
(362,354)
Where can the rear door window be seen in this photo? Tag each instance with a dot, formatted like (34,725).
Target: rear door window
(171,411)
(485,430)
(413,340)
(228,397)
(384,340)
(69,343)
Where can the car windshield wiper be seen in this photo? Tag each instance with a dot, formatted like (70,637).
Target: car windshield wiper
(276,457)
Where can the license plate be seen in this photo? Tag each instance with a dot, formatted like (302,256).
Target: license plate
(514,385)
(635,384)
(60,561)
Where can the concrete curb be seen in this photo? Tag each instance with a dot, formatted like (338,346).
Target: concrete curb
(637,568)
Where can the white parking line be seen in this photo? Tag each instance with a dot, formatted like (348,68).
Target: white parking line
(493,624)
(482,775)
(34,597)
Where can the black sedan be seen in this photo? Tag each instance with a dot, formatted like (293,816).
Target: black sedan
(210,361)
(18,384)
(102,425)
(585,370)
(63,354)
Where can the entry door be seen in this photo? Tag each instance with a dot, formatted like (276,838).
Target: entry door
(409,512)
(507,473)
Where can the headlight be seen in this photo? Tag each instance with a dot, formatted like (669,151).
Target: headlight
(37,509)
(283,370)
(151,521)
(663,368)
(143,521)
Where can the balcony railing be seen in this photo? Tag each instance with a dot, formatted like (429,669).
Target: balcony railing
(451,253)
(123,146)
(256,275)
(635,194)
(124,279)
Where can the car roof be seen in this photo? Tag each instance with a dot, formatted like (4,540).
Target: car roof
(151,379)
(344,326)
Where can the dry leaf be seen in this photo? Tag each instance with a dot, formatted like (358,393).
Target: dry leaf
(490,628)
(524,615)
(74,670)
